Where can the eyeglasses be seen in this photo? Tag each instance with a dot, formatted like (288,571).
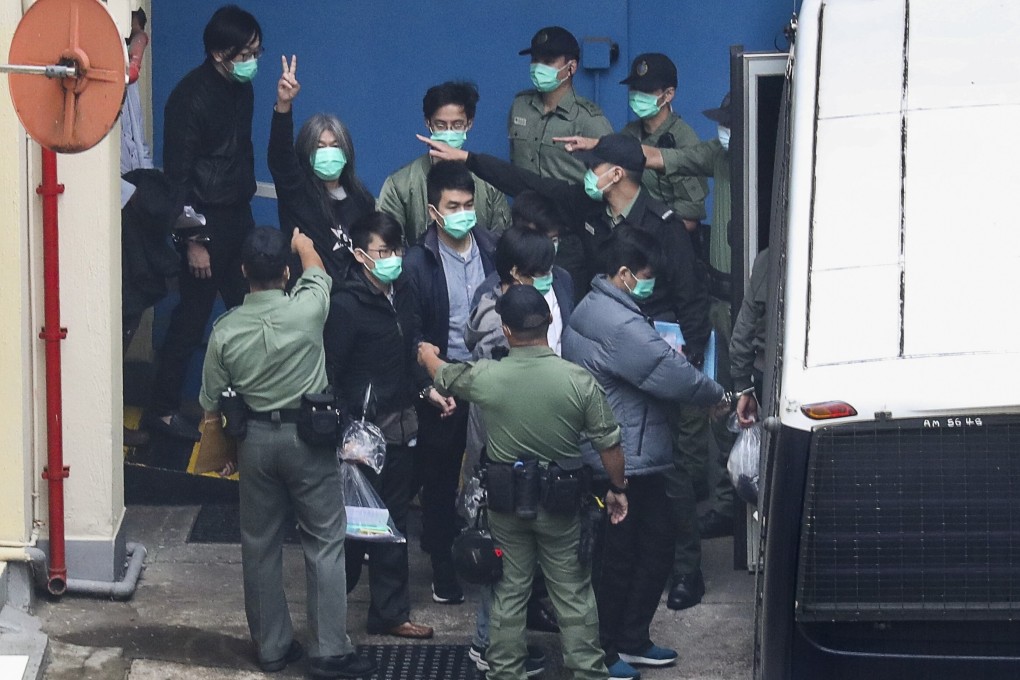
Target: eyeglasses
(387,252)
(248,55)
(443,126)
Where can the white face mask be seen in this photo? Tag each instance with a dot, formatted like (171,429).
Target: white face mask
(724,137)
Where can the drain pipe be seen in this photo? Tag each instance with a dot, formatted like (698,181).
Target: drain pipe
(117,590)
(55,471)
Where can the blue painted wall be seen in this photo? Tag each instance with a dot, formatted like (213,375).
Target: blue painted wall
(370,61)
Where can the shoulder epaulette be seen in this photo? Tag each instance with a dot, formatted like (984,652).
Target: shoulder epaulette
(591,107)
(224,315)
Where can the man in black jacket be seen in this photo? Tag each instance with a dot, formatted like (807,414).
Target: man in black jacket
(446,267)
(370,340)
(207,152)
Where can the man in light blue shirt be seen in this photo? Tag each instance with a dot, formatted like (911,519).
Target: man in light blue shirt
(445,268)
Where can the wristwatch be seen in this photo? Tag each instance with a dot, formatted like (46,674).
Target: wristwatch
(619,489)
(424,394)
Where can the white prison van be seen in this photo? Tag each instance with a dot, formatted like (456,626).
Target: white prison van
(891,472)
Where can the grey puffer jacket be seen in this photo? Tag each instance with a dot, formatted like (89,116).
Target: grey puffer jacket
(639,371)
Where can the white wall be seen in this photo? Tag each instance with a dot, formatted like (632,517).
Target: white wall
(89,216)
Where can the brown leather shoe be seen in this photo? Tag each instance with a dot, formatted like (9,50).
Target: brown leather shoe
(408,629)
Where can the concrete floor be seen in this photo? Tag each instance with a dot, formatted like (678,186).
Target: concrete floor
(186,619)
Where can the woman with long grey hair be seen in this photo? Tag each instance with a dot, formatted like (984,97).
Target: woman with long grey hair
(317,188)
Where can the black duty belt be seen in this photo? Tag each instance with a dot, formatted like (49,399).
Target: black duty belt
(283,415)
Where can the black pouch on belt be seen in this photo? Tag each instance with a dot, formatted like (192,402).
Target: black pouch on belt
(233,414)
(499,487)
(527,488)
(317,420)
(561,490)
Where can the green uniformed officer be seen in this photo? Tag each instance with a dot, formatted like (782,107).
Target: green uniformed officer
(269,350)
(552,109)
(536,406)
(664,136)
(449,111)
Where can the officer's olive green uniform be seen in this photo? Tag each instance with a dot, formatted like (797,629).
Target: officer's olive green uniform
(270,351)
(536,405)
(683,192)
(404,196)
(531,131)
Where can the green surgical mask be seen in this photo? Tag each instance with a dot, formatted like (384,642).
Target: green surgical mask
(458,224)
(591,184)
(328,162)
(643,105)
(454,138)
(244,71)
(545,78)
(386,269)
(543,284)
(642,289)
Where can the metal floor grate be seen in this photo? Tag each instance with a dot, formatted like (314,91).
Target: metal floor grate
(421,662)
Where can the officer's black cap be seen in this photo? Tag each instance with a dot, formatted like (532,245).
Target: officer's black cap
(651,71)
(720,115)
(554,41)
(522,308)
(622,150)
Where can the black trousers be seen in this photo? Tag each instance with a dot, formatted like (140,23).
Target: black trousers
(440,450)
(390,603)
(228,227)
(632,563)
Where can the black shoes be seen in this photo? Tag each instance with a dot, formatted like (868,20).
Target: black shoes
(541,616)
(714,524)
(177,428)
(346,666)
(445,588)
(687,591)
(294,653)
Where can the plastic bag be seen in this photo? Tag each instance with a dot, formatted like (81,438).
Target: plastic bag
(363,443)
(472,496)
(367,516)
(743,463)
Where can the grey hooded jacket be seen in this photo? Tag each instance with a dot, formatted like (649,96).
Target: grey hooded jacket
(639,371)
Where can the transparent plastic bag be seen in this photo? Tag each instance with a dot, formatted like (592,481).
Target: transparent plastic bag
(367,516)
(363,443)
(743,463)
(472,496)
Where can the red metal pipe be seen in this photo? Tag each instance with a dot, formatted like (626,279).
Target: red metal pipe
(52,333)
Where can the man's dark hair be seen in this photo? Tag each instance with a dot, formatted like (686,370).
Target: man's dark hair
(230,30)
(140,15)
(634,176)
(631,248)
(379,223)
(461,93)
(265,254)
(447,176)
(528,250)
(532,210)
(525,312)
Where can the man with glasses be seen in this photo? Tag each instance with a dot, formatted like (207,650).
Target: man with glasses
(207,153)
(370,340)
(449,111)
